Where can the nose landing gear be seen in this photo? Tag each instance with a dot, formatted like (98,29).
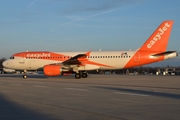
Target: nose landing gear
(25,74)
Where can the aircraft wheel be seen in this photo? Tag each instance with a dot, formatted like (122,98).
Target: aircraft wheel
(77,76)
(24,76)
(84,75)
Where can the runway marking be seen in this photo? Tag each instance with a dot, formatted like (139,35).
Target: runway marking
(127,101)
(76,89)
(39,86)
(132,94)
(77,95)
(16,84)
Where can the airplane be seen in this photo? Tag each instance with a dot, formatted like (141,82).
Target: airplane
(67,63)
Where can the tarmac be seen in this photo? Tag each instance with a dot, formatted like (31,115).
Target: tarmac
(98,97)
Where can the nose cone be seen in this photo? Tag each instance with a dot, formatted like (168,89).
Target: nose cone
(5,64)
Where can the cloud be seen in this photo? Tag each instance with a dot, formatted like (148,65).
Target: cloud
(15,22)
(31,4)
(92,5)
(85,18)
(89,16)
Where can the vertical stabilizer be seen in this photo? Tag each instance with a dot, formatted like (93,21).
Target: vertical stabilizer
(159,39)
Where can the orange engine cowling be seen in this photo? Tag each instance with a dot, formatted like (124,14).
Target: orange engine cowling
(53,70)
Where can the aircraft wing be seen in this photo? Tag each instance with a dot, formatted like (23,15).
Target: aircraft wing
(79,59)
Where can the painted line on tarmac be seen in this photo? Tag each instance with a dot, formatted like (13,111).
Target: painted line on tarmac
(76,89)
(77,95)
(39,86)
(128,101)
(132,94)
(16,84)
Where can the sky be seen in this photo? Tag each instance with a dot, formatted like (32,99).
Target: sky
(85,25)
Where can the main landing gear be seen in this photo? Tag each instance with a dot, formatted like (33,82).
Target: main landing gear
(79,75)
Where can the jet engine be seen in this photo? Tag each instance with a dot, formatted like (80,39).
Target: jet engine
(54,70)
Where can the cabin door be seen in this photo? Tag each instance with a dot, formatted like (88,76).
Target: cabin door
(137,57)
(22,59)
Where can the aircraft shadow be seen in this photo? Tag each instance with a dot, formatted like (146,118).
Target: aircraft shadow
(158,94)
(12,111)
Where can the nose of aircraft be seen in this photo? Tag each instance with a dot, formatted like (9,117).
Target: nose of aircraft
(4,64)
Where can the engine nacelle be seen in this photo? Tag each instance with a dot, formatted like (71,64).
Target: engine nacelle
(53,70)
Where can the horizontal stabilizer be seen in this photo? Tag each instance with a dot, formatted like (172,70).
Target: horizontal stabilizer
(164,53)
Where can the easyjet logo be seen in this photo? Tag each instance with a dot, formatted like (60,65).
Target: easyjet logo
(39,55)
(158,35)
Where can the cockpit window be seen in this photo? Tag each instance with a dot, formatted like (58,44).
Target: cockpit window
(11,57)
